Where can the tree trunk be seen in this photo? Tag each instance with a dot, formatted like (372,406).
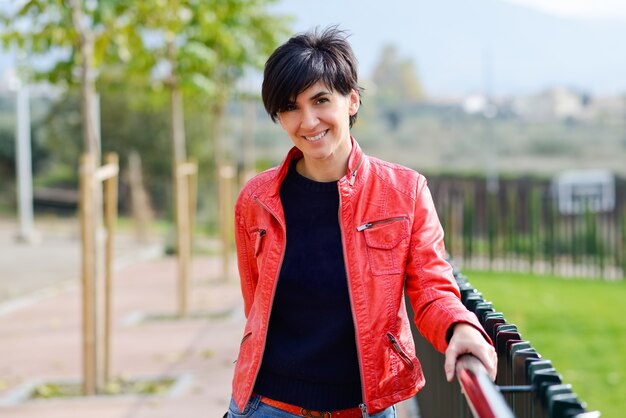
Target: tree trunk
(178,124)
(93,316)
(87,81)
(176,106)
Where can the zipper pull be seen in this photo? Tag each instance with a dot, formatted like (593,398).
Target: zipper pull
(364,413)
(353,178)
(364,227)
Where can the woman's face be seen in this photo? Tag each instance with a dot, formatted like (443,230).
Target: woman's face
(318,123)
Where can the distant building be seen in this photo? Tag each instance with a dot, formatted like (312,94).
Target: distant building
(606,109)
(553,104)
(580,190)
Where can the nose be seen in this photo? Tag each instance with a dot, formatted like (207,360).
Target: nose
(309,118)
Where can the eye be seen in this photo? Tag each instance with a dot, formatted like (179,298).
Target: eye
(322,100)
(290,107)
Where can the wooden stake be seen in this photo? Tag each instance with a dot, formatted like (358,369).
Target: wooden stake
(192,184)
(140,202)
(96,325)
(110,212)
(182,243)
(87,169)
(186,185)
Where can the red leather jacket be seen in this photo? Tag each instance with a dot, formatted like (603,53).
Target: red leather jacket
(392,241)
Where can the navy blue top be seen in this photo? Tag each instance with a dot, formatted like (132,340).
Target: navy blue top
(310,357)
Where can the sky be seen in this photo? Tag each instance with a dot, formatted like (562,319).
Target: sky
(499,47)
(463,47)
(601,9)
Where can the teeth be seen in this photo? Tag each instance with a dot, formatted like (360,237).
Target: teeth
(316,137)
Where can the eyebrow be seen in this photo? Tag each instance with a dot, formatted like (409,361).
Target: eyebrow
(314,97)
(320,94)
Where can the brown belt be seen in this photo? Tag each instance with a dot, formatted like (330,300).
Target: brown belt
(303,412)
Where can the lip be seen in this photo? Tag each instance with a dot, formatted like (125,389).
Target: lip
(316,137)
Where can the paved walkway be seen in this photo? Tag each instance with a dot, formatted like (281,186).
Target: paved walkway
(43,342)
(40,329)
(54,259)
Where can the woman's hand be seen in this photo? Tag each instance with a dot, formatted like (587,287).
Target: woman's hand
(468,340)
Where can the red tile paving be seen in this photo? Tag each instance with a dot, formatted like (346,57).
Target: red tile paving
(42,341)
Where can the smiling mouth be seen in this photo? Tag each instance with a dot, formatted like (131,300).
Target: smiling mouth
(316,137)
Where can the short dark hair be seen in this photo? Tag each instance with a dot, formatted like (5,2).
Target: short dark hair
(305,59)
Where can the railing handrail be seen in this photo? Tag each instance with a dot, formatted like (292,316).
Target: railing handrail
(482,395)
(526,385)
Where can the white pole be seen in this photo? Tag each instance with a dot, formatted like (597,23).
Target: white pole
(23,164)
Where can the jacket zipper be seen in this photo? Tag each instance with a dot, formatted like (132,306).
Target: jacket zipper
(282,258)
(243,340)
(245,337)
(400,351)
(354,172)
(363,405)
(368,225)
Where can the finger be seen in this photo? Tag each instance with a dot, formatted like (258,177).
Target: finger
(489,360)
(450,364)
(494,365)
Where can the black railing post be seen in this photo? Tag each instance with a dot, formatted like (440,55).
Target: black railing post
(526,386)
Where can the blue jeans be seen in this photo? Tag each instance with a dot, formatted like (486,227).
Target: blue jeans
(257,409)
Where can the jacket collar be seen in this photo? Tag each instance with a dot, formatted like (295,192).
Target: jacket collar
(355,166)
(357,163)
(269,194)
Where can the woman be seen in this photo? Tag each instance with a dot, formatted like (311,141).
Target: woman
(327,244)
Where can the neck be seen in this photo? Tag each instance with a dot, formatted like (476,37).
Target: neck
(331,168)
(320,173)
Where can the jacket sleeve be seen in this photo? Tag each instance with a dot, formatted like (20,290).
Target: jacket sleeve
(430,284)
(246,261)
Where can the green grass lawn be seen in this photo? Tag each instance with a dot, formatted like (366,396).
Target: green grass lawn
(578,324)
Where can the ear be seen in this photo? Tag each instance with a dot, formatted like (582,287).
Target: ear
(355,102)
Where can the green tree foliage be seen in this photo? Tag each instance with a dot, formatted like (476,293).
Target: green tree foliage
(45,29)
(200,48)
(397,84)
(396,78)
(197,47)
(75,36)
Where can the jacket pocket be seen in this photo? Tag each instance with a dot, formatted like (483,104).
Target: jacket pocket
(241,345)
(245,337)
(258,242)
(398,349)
(400,369)
(257,236)
(382,238)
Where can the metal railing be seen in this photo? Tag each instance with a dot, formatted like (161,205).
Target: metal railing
(526,386)
(482,396)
